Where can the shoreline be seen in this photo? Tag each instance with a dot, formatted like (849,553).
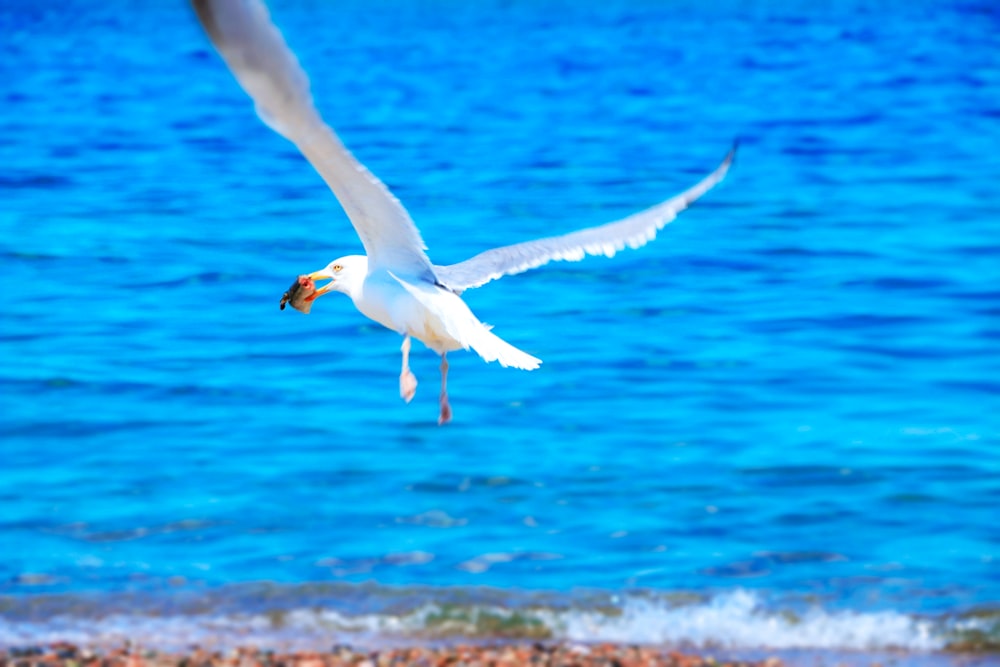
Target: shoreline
(494,654)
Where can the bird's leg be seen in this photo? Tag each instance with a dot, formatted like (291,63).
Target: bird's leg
(407,380)
(445,416)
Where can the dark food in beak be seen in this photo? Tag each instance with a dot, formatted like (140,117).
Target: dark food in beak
(296,296)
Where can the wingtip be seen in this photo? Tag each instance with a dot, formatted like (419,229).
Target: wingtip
(204,11)
(731,155)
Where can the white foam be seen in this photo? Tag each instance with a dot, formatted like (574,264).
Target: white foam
(737,620)
(734,620)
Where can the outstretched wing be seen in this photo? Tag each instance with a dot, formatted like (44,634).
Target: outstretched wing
(268,71)
(634,231)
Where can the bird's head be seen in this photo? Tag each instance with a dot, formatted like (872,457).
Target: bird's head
(345,275)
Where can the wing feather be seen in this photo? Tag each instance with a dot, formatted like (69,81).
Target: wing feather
(269,72)
(634,231)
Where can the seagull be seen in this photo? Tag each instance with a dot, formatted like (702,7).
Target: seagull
(394,283)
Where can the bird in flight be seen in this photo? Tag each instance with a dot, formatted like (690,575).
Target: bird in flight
(395,283)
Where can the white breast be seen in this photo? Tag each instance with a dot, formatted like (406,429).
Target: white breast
(382,298)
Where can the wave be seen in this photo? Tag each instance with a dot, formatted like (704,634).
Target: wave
(734,620)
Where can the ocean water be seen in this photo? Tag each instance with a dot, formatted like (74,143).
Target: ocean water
(775,428)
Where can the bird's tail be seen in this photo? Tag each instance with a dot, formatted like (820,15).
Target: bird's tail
(491,347)
(463,326)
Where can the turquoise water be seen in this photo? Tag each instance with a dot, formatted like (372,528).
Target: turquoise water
(789,401)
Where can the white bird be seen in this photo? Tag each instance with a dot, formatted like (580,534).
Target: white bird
(396,284)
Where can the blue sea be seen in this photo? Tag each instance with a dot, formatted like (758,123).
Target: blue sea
(776,428)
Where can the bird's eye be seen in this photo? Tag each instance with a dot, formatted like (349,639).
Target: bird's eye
(337,267)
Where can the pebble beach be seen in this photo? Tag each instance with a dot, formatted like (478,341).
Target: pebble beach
(506,654)
(537,654)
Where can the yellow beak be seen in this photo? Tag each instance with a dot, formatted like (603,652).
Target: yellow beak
(320,275)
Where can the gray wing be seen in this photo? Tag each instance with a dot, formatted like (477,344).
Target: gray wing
(634,231)
(268,71)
